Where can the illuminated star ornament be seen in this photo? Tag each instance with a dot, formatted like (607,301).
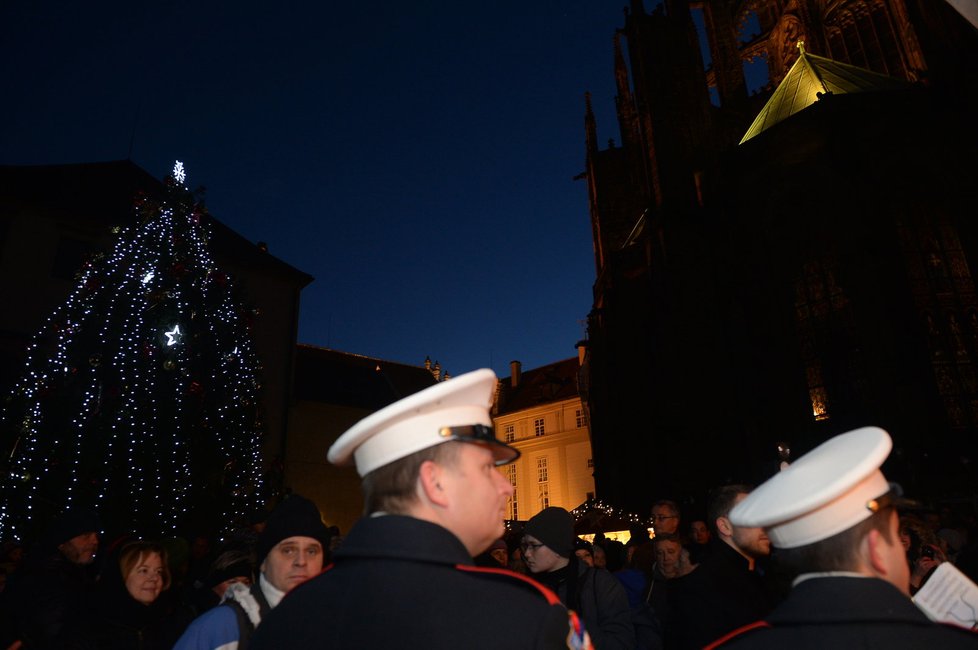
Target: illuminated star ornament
(179,174)
(173,336)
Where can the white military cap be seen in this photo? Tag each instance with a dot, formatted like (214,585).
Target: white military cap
(455,409)
(828,490)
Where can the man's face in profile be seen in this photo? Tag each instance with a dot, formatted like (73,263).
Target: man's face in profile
(664,520)
(80,549)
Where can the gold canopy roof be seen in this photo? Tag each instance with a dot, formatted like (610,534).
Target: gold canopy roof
(810,77)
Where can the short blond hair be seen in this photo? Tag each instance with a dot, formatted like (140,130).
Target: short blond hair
(391,488)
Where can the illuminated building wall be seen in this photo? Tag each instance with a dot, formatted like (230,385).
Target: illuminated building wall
(540,413)
(333,391)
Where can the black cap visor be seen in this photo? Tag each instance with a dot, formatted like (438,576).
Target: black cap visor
(481,434)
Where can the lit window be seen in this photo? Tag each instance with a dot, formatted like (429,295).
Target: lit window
(819,403)
(542,473)
(581,419)
(544,494)
(512,506)
(509,431)
(538,427)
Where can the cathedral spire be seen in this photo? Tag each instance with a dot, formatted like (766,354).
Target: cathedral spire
(590,127)
(627,115)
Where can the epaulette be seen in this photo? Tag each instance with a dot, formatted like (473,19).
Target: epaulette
(513,577)
(735,633)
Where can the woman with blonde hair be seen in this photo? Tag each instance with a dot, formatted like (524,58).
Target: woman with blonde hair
(127,612)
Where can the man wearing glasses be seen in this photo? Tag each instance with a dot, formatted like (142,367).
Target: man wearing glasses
(548,550)
(665,517)
(404,576)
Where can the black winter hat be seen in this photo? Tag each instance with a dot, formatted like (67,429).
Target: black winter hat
(72,523)
(554,527)
(296,516)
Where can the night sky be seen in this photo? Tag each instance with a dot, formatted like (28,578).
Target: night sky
(416,158)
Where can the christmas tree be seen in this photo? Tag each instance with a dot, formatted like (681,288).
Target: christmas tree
(140,394)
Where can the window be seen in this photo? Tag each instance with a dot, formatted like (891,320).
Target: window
(581,418)
(509,432)
(512,507)
(544,494)
(590,463)
(543,483)
(538,428)
(542,474)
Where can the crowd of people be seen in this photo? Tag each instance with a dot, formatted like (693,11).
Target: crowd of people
(824,554)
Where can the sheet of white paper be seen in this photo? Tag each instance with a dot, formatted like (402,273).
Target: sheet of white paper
(949,596)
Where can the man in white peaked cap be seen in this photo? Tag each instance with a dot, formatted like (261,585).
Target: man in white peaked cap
(832,517)
(404,576)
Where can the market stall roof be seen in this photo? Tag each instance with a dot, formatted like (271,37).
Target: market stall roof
(593,516)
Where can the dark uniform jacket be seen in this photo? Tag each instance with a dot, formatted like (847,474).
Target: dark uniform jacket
(399,582)
(843,612)
(721,595)
(600,599)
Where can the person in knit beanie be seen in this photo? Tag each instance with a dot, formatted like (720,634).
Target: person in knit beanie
(290,550)
(554,528)
(548,550)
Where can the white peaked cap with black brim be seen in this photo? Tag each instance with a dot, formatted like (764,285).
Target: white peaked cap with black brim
(455,409)
(828,490)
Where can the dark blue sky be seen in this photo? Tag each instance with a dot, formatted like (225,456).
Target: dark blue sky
(416,158)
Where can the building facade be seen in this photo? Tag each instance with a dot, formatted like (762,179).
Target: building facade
(816,277)
(540,412)
(333,391)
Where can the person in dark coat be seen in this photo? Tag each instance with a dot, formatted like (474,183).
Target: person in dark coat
(725,591)
(45,594)
(548,547)
(832,517)
(127,612)
(404,577)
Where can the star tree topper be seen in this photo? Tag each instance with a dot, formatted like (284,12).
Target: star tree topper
(179,175)
(173,336)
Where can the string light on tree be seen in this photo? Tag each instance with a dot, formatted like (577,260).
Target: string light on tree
(156,432)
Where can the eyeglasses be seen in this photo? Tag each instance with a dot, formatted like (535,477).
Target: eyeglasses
(530,546)
(658,517)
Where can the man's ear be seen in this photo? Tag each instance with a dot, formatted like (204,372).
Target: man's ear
(876,550)
(430,477)
(724,527)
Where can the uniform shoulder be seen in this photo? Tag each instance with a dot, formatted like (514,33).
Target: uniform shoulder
(958,635)
(739,633)
(507,577)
